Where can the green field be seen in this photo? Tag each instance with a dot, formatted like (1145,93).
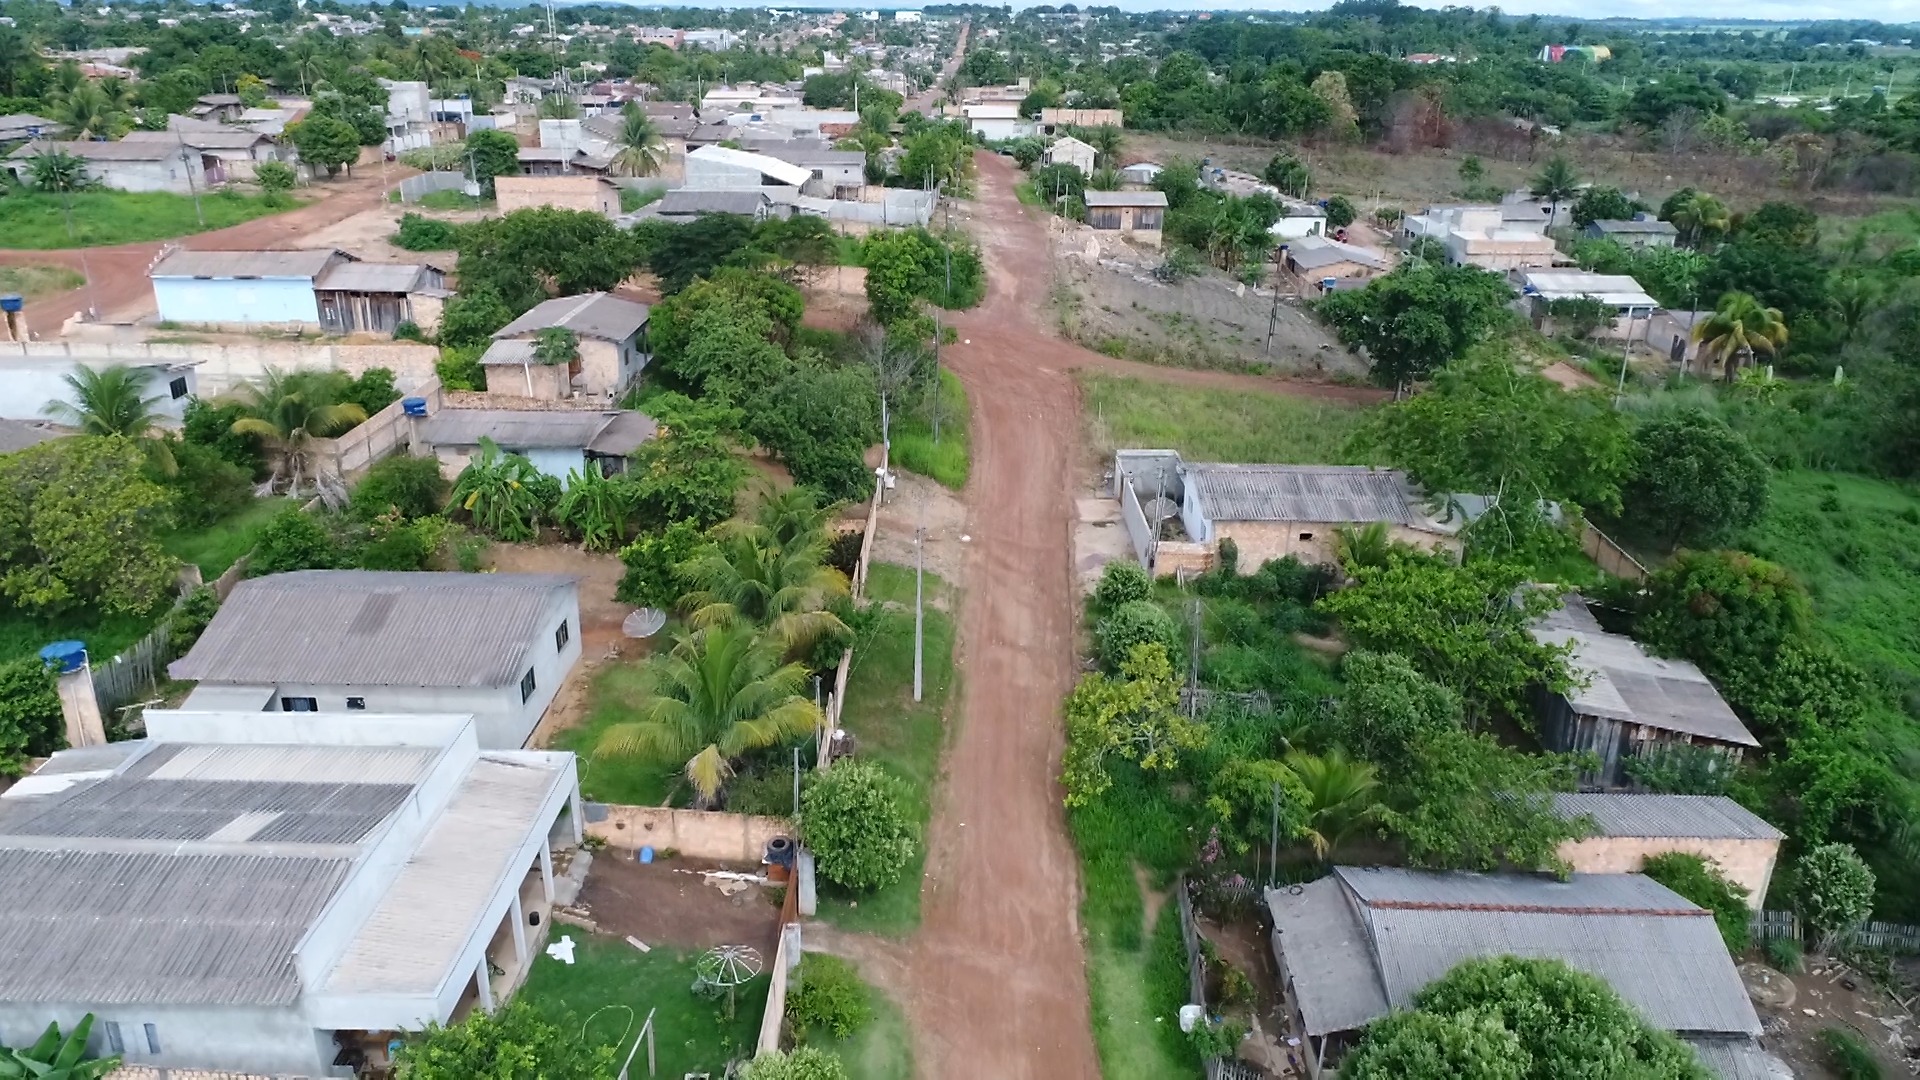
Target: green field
(903,737)
(220,545)
(32,281)
(1216,425)
(39,222)
(913,448)
(691,1035)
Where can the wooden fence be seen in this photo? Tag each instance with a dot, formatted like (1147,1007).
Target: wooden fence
(1218,1067)
(1897,938)
(836,700)
(1610,556)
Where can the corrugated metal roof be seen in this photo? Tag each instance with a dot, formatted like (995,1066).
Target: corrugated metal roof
(226,139)
(813,156)
(288,764)
(221,265)
(1126,198)
(115,928)
(1637,225)
(1314,252)
(625,433)
(1739,1059)
(1704,817)
(101,151)
(598,315)
(375,628)
(683,201)
(1660,952)
(781,171)
(1624,682)
(1327,955)
(1334,493)
(411,941)
(19,434)
(372,277)
(1618,289)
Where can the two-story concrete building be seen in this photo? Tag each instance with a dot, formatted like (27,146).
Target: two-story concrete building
(612,335)
(493,646)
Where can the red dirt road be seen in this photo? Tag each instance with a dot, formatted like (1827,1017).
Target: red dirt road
(119,273)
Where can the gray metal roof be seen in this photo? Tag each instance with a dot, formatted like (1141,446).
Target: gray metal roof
(1327,956)
(101,151)
(1637,225)
(596,315)
(516,429)
(226,265)
(1126,198)
(1624,682)
(1314,252)
(1739,1059)
(375,628)
(814,155)
(20,434)
(372,277)
(1659,951)
(200,139)
(1338,493)
(1703,817)
(684,201)
(16,125)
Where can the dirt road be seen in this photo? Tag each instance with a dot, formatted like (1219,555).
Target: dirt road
(119,274)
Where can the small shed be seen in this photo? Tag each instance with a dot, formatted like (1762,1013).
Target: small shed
(1071,151)
(359,297)
(1632,703)
(558,442)
(1138,215)
(1631,827)
(684,205)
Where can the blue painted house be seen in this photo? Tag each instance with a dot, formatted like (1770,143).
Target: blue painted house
(325,288)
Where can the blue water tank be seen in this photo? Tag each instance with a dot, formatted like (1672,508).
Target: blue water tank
(12,302)
(414,406)
(65,655)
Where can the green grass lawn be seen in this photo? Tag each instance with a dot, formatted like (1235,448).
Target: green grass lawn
(846,250)
(632,199)
(32,281)
(457,200)
(22,634)
(881,1049)
(691,1035)
(616,780)
(905,738)
(1216,425)
(1027,193)
(913,448)
(121,217)
(218,546)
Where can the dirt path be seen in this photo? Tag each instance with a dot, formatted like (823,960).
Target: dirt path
(119,274)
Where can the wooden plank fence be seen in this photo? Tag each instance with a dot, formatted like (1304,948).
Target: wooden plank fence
(1897,938)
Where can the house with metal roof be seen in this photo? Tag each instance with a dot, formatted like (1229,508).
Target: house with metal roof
(1631,827)
(122,166)
(272,896)
(1632,307)
(834,174)
(492,646)
(323,288)
(20,127)
(559,442)
(718,168)
(1320,259)
(1179,512)
(226,153)
(684,204)
(1137,215)
(612,336)
(1640,231)
(1068,150)
(1362,942)
(1628,702)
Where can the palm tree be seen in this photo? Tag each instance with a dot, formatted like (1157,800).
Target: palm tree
(747,576)
(1739,327)
(640,151)
(114,401)
(720,693)
(57,170)
(793,518)
(305,56)
(287,411)
(1106,141)
(1363,545)
(1700,215)
(1342,797)
(1556,183)
(87,111)
(1854,299)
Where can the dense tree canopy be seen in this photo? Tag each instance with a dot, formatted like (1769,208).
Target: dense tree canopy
(1419,318)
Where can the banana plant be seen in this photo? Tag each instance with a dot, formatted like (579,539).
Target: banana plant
(53,1057)
(596,508)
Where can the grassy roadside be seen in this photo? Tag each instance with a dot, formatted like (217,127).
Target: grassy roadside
(880,1049)
(904,737)
(35,281)
(1216,425)
(39,222)
(913,446)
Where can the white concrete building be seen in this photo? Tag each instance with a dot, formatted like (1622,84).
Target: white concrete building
(1071,151)
(266,895)
(721,168)
(125,166)
(1484,236)
(493,646)
(995,121)
(28,384)
(1631,305)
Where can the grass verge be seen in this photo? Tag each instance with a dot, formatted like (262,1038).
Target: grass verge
(1217,425)
(903,736)
(39,222)
(454,200)
(880,1049)
(34,281)
(913,446)
(691,1035)
(217,547)
(616,780)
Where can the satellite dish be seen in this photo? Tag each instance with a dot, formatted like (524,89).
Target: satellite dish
(644,623)
(1160,508)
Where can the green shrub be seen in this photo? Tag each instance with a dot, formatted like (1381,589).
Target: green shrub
(459,367)
(408,330)
(1834,891)
(425,234)
(210,424)
(843,551)
(1702,882)
(1121,582)
(31,724)
(802,1063)
(293,540)
(829,996)
(411,485)
(1849,1054)
(1785,954)
(206,486)
(395,544)
(191,617)
(854,818)
(1210,1041)
(1137,622)
(372,390)
(652,578)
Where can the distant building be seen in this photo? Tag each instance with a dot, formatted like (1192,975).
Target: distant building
(1142,173)
(1319,259)
(906,16)
(719,168)
(997,121)
(1482,236)
(612,333)
(28,384)
(1633,827)
(596,194)
(1642,231)
(1631,305)
(21,127)
(716,40)
(1137,215)
(685,204)
(125,166)
(324,288)
(836,174)
(1068,150)
(229,155)
(1051,120)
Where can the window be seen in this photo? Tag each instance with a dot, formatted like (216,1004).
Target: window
(526,686)
(1306,536)
(561,637)
(178,388)
(114,1042)
(299,704)
(357,704)
(153,1038)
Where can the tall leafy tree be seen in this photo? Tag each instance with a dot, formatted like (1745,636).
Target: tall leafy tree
(79,528)
(1740,329)
(325,141)
(1695,480)
(1419,318)
(720,693)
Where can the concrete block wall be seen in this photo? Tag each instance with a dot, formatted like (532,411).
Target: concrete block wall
(700,834)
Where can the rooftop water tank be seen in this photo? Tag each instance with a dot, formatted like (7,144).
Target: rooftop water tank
(66,655)
(414,406)
(12,302)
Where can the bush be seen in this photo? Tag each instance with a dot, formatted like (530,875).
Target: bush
(829,995)
(652,560)
(191,617)
(373,390)
(1849,1054)
(459,367)
(1785,954)
(397,544)
(1833,890)
(411,485)
(854,818)
(31,724)
(1702,882)
(408,330)
(425,234)
(206,486)
(293,540)
(210,424)
(1121,582)
(803,1063)
(1137,622)
(843,551)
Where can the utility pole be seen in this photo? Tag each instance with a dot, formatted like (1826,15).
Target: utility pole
(186,162)
(919,596)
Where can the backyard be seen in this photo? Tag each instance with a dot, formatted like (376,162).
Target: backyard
(218,546)
(39,222)
(1206,424)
